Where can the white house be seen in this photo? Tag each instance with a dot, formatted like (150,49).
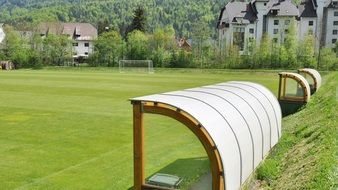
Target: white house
(330,24)
(82,34)
(308,22)
(2,33)
(279,16)
(242,22)
(238,23)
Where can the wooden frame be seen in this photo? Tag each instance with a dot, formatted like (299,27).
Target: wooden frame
(139,108)
(282,88)
(315,82)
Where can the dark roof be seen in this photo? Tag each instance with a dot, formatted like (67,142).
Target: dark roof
(307,9)
(332,4)
(282,8)
(246,12)
(220,17)
(81,31)
(238,12)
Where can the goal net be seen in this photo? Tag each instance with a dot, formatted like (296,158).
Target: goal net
(136,65)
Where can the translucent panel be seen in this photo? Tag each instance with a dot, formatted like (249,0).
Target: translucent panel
(308,78)
(293,88)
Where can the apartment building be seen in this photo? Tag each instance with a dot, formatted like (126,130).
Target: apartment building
(242,22)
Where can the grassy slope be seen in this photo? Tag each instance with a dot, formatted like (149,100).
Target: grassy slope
(306,156)
(72,128)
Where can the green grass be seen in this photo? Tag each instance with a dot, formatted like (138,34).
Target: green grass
(72,128)
(306,156)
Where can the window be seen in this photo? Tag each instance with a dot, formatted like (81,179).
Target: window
(276,22)
(335,23)
(275,40)
(86,53)
(336,13)
(275,31)
(86,44)
(334,41)
(291,89)
(251,30)
(311,23)
(264,4)
(238,37)
(75,44)
(286,31)
(334,32)
(239,29)
(287,22)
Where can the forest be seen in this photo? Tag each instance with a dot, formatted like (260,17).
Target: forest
(180,14)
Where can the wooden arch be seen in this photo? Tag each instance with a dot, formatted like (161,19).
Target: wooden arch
(301,81)
(311,75)
(315,76)
(139,109)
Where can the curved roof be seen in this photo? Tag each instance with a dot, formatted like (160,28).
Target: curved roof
(242,118)
(314,74)
(302,81)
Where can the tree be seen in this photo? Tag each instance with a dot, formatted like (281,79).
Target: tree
(200,33)
(234,58)
(162,44)
(251,53)
(328,59)
(161,57)
(108,49)
(103,26)
(264,54)
(163,38)
(139,21)
(137,45)
(15,48)
(335,49)
(290,44)
(306,53)
(57,50)
(283,57)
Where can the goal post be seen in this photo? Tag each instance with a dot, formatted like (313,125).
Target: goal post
(136,65)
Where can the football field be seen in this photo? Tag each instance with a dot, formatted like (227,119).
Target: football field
(72,128)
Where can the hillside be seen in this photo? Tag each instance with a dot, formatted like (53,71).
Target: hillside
(306,156)
(180,14)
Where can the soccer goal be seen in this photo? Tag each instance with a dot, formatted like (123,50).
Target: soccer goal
(136,65)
